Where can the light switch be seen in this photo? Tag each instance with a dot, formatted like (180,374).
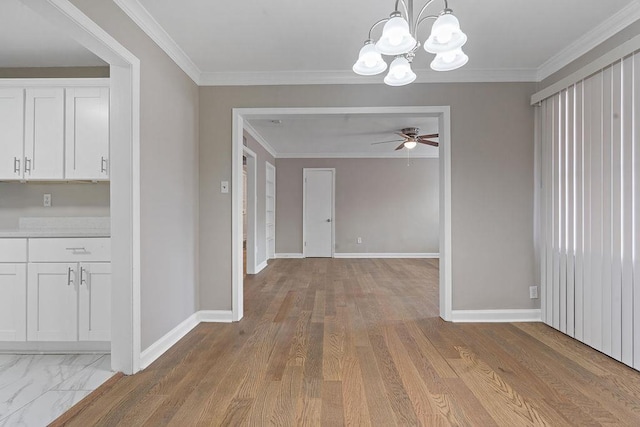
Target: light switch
(224,186)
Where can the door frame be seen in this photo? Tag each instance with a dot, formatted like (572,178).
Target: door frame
(442,112)
(252,202)
(304,208)
(124,148)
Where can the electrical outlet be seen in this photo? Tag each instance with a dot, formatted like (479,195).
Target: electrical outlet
(47,201)
(359,240)
(533,292)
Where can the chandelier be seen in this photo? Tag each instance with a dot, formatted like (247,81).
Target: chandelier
(399,39)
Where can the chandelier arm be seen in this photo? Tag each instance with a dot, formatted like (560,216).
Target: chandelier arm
(423,9)
(375,25)
(434,17)
(404,5)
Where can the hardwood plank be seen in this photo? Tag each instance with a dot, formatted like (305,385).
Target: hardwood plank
(359,342)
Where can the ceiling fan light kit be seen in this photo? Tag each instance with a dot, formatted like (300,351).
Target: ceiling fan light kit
(399,39)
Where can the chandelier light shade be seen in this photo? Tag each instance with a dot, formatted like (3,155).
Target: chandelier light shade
(399,39)
(400,72)
(369,61)
(396,38)
(448,61)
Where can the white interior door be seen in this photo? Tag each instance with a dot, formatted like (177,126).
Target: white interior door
(318,212)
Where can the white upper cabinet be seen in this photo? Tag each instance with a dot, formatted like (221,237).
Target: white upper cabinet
(44,134)
(11,133)
(87,133)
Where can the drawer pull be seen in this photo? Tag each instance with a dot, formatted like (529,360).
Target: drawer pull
(81,249)
(69,281)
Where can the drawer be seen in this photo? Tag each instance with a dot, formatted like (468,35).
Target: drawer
(69,249)
(13,250)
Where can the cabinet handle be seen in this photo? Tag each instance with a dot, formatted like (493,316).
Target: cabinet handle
(82,278)
(69,281)
(16,165)
(103,165)
(77,249)
(27,165)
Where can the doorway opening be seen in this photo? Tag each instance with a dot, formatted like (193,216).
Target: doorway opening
(124,113)
(442,113)
(249,202)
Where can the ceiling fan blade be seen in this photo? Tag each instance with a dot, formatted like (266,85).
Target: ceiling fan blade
(403,135)
(431,135)
(401,146)
(385,142)
(427,142)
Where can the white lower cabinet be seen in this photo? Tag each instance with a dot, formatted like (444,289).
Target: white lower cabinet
(55,289)
(13,302)
(52,302)
(69,302)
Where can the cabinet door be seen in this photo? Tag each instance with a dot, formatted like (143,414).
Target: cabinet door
(11,133)
(52,302)
(94,289)
(44,134)
(13,302)
(87,133)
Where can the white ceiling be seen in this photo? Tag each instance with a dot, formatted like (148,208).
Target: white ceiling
(295,41)
(342,135)
(27,40)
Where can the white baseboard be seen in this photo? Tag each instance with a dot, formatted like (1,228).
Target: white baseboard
(261,267)
(289,255)
(158,348)
(496,316)
(386,255)
(218,316)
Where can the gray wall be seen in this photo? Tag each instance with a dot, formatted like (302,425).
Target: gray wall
(262,156)
(25,200)
(54,72)
(492,180)
(391,206)
(168,174)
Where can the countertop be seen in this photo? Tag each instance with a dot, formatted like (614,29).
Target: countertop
(69,232)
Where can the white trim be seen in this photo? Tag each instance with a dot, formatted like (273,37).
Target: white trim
(444,115)
(399,155)
(168,340)
(147,23)
(305,171)
(259,139)
(269,167)
(496,316)
(602,62)
(214,316)
(316,77)
(261,266)
(289,255)
(50,82)
(237,274)
(386,255)
(252,212)
(125,175)
(608,28)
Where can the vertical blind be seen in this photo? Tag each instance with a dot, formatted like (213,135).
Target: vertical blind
(588,210)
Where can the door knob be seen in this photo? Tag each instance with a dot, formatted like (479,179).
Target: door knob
(329,220)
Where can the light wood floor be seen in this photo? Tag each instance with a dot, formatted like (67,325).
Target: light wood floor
(359,342)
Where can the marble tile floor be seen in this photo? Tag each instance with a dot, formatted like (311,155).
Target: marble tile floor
(36,389)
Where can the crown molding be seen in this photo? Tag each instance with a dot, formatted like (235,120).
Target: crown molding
(240,78)
(608,28)
(391,155)
(256,135)
(147,23)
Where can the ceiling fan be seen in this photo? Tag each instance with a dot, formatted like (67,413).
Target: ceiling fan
(411,139)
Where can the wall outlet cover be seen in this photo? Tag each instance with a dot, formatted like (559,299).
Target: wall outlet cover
(533,292)
(47,201)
